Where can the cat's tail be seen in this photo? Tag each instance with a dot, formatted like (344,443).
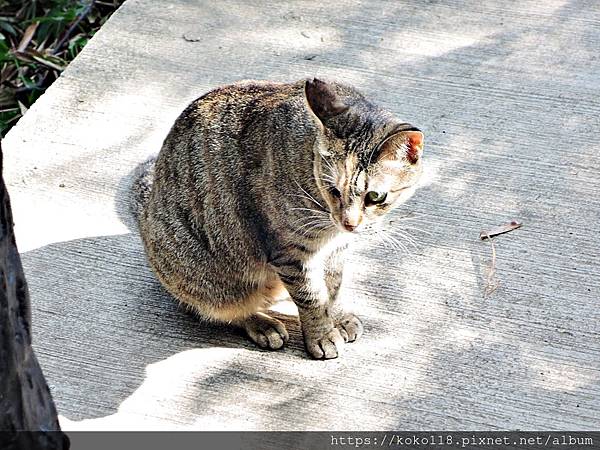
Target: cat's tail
(143,176)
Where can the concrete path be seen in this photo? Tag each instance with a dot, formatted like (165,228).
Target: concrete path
(508,97)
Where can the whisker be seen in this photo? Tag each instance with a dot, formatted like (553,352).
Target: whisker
(379,238)
(306,198)
(309,209)
(328,178)
(310,196)
(393,244)
(332,176)
(420,230)
(404,231)
(314,215)
(407,218)
(305,218)
(399,243)
(407,238)
(317,224)
(371,156)
(329,165)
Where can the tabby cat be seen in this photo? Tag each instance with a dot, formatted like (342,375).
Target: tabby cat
(255,195)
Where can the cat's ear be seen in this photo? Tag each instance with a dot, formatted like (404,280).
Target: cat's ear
(322,99)
(404,144)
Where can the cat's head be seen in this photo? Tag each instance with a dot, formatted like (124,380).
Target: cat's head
(367,161)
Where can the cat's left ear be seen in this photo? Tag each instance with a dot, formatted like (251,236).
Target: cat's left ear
(323,100)
(404,144)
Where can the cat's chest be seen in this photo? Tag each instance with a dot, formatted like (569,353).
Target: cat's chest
(327,253)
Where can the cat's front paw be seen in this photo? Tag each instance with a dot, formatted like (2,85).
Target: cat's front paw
(327,346)
(350,327)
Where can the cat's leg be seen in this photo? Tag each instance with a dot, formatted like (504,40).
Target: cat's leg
(249,313)
(309,292)
(348,324)
(221,294)
(265,331)
(244,311)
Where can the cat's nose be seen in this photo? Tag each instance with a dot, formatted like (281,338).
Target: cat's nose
(351,219)
(349,225)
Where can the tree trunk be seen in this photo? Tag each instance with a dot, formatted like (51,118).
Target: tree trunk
(28,417)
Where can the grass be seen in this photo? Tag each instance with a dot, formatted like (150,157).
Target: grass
(38,39)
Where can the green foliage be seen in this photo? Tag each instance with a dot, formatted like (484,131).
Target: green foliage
(38,38)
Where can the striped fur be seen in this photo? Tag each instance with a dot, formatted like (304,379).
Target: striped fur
(249,195)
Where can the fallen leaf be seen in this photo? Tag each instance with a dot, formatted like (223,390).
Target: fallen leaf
(27,36)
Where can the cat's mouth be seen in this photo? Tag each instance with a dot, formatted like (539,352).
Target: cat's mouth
(346,226)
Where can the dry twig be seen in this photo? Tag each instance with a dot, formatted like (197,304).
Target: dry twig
(501,229)
(492,282)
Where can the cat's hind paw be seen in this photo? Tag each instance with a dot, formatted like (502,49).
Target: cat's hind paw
(265,331)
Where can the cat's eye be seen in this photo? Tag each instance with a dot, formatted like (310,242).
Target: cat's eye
(375,198)
(335,193)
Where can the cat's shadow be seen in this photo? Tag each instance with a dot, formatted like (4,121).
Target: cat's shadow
(100,318)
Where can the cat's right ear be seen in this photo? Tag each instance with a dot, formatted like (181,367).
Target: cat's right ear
(322,99)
